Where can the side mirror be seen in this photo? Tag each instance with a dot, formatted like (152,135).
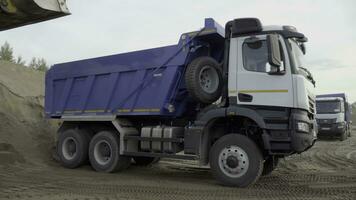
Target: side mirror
(274,52)
(274,70)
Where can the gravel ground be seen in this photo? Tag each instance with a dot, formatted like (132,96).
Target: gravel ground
(327,171)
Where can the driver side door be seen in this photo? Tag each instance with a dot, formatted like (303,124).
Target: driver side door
(255,85)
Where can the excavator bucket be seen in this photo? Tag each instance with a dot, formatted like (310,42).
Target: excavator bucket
(15,13)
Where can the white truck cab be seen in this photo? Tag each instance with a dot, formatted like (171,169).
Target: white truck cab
(251,74)
(331,117)
(278,91)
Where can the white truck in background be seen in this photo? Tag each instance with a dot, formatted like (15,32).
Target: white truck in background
(334,115)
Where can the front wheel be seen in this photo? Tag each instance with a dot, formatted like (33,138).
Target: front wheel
(236,160)
(344,135)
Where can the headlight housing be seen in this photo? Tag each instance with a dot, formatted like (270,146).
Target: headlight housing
(303,127)
(341,125)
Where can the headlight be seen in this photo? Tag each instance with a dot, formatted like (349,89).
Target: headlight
(303,127)
(341,125)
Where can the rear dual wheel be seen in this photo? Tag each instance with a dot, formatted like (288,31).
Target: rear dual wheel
(75,146)
(104,153)
(72,147)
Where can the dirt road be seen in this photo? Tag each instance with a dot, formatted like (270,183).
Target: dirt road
(327,171)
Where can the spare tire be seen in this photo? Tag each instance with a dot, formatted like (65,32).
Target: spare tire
(203,79)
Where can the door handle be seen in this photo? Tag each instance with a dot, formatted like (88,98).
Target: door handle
(245,97)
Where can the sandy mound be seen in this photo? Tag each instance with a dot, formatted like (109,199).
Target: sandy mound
(25,136)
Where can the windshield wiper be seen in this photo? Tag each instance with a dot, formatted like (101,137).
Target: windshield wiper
(309,75)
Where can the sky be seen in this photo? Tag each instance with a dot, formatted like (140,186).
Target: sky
(115,26)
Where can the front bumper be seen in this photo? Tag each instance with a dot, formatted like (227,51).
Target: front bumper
(288,138)
(302,140)
(331,129)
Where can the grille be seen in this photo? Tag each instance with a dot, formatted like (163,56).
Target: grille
(311,105)
(326,121)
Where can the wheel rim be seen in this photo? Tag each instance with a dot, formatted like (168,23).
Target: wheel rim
(233,161)
(69,148)
(102,152)
(209,79)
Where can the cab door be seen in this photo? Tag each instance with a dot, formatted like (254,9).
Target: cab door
(252,79)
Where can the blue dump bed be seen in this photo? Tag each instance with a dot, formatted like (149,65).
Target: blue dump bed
(147,82)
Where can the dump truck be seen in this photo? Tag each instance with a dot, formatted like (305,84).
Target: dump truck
(236,99)
(334,115)
(16,13)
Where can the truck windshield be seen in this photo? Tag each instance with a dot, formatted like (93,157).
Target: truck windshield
(298,54)
(327,107)
(299,60)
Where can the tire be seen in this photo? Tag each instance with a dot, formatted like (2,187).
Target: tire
(250,163)
(343,135)
(203,79)
(72,148)
(269,165)
(145,161)
(104,153)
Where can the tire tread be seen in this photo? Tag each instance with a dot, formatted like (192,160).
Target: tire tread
(191,80)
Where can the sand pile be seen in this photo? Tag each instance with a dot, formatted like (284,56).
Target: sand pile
(25,136)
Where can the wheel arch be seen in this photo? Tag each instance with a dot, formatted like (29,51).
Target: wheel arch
(90,126)
(235,111)
(216,117)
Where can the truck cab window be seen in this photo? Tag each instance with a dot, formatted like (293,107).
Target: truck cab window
(255,56)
